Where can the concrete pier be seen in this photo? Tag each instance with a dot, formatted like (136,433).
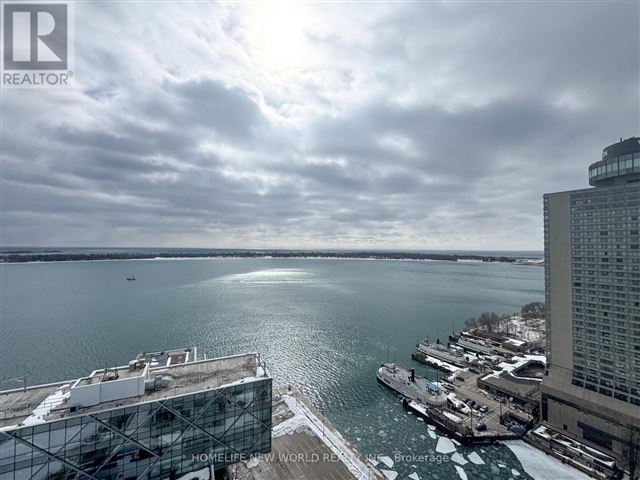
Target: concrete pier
(304,445)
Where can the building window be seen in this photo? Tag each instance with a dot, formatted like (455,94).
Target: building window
(596,436)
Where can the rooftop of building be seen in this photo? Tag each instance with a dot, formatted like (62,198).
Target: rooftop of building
(521,376)
(620,160)
(622,147)
(150,377)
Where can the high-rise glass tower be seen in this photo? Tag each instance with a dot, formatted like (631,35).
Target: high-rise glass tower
(591,389)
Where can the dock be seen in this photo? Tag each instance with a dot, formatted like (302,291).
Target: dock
(458,406)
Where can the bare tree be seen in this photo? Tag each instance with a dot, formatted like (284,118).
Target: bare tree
(489,321)
(470,323)
(532,310)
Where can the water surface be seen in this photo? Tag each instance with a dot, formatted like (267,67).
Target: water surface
(323,325)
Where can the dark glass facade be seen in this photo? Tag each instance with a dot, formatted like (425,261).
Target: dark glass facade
(157,439)
(619,159)
(615,167)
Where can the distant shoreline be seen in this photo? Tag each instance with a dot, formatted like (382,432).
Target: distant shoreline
(42,257)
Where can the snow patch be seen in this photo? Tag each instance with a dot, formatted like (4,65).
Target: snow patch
(48,404)
(202,474)
(541,466)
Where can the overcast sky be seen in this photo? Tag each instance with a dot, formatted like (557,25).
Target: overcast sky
(412,125)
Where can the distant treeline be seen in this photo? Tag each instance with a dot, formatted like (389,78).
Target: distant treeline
(20,257)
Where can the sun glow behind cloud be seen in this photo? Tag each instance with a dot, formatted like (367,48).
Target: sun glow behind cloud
(276,34)
(412,125)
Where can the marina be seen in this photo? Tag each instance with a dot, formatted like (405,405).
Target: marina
(484,399)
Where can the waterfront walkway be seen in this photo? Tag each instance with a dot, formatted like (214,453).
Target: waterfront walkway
(305,445)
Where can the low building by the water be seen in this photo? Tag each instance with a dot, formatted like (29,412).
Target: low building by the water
(164,415)
(517,379)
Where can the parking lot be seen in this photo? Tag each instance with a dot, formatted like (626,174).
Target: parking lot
(467,390)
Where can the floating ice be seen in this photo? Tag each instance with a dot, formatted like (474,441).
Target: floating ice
(420,419)
(414,476)
(386,460)
(475,458)
(459,459)
(431,427)
(515,472)
(502,465)
(461,472)
(445,446)
(432,434)
(390,474)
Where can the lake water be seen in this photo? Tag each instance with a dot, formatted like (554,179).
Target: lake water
(323,325)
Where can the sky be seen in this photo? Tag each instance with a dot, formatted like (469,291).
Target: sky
(418,125)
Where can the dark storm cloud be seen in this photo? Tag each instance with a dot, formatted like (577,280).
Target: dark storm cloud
(418,126)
